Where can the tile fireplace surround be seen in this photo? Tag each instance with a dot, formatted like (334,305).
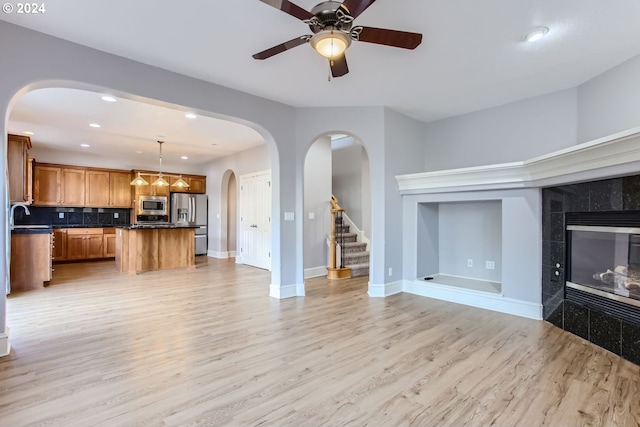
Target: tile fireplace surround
(597,176)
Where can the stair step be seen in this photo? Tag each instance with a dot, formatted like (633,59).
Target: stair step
(350,247)
(344,228)
(348,237)
(355,258)
(359,269)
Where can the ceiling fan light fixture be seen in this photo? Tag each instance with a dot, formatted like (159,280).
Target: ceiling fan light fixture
(330,43)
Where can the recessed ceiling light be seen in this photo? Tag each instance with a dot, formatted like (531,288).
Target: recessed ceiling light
(184,158)
(85,145)
(536,34)
(28,132)
(139,152)
(109,98)
(94,125)
(190,116)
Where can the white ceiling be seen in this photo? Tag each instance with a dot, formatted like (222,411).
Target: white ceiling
(472,56)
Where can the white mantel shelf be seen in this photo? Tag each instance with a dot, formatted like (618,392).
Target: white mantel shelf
(590,160)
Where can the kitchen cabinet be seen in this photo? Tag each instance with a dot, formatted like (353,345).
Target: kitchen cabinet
(96,188)
(120,189)
(30,261)
(58,186)
(197,184)
(107,189)
(85,243)
(109,245)
(59,244)
(19,169)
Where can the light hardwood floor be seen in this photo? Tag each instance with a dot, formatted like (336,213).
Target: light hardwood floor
(208,347)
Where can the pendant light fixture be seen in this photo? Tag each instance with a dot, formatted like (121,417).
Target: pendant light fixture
(180,183)
(139,180)
(160,181)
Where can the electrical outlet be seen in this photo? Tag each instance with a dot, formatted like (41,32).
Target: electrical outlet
(469,262)
(312,215)
(390,271)
(491,265)
(60,215)
(116,215)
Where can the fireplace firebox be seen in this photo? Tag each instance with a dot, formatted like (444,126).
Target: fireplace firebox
(605,261)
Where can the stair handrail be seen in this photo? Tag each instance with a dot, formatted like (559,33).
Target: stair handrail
(333,271)
(335,209)
(354,229)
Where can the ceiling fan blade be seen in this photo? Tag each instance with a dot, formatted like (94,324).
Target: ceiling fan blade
(356,7)
(386,37)
(281,47)
(290,8)
(339,66)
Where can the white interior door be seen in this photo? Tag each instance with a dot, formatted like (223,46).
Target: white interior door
(255,220)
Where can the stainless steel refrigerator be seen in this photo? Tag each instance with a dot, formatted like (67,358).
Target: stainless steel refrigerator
(192,210)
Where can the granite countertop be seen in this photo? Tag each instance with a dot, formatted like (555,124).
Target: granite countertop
(32,229)
(153,226)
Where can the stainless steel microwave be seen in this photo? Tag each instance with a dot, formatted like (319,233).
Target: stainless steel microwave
(152,205)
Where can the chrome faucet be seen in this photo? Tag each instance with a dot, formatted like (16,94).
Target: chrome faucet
(13,211)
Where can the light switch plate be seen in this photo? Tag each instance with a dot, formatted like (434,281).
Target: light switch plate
(312,215)
(288,216)
(116,215)
(60,215)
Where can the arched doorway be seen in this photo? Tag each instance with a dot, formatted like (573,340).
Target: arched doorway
(337,164)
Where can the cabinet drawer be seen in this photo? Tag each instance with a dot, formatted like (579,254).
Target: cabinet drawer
(84,231)
(110,230)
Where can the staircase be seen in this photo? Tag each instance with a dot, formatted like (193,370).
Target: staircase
(356,255)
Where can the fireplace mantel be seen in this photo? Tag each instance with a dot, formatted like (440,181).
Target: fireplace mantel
(614,155)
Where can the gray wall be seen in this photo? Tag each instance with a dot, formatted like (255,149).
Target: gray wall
(248,161)
(610,102)
(404,152)
(471,230)
(351,183)
(317,197)
(508,133)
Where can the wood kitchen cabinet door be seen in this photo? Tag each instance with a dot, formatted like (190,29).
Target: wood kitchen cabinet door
(72,187)
(47,186)
(94,246)
(85,243)
(59,244)
(96,188)
(75,246)
(109,245)
(197,185)
(18,166)
(120,189)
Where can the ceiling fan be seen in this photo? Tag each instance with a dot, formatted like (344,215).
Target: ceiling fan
(332,25)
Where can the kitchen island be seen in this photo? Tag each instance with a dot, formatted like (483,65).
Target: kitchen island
(150,248)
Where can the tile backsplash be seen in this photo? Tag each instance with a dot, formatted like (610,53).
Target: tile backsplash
(73,217)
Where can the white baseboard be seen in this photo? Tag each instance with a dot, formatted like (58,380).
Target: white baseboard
(315,272)
(300,290)
(5,346)
(221,255)
(488,301)
(281,292)
(384,289)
